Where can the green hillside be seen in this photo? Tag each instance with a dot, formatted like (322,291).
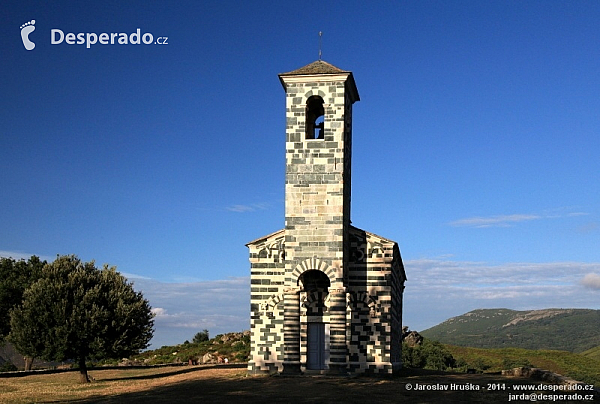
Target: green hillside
(593,353)
(576,366)
(234,346)
(573,330)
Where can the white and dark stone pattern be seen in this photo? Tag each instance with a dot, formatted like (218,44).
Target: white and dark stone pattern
(325,295)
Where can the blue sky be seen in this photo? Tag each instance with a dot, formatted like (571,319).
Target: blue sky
(476,146)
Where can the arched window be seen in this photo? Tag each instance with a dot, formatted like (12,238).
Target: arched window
(316,285)
(315,115)
(314,280)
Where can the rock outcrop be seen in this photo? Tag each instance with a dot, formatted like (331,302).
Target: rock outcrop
(412,338)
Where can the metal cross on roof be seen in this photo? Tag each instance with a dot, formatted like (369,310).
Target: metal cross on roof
(320,36)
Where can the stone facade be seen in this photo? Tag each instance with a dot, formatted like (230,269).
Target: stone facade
(325,295)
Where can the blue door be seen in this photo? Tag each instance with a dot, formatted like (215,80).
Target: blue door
(316,346)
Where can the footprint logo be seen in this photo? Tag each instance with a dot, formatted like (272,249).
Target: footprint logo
(27,29)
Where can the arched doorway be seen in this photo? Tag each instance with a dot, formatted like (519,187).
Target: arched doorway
(316,285)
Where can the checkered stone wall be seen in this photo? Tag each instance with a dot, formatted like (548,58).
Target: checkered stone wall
(267,274)
(315,205)
(374,303)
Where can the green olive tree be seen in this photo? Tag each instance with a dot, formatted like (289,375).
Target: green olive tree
(15,277)
(76,311)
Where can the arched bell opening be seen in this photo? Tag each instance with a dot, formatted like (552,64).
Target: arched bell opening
(315,118)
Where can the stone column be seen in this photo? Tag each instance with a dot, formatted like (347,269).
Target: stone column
(291,331)
(337,332)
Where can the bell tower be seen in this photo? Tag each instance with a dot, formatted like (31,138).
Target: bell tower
(319,100)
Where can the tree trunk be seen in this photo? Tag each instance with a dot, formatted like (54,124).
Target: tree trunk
(83,375)
(28,362)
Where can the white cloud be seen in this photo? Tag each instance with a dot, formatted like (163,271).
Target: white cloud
(575,214)
(240,208)
(248,208)
(510,220)
(493,221)
(131,276)
(183,309)
(591,281)
(436,289)
(159,312)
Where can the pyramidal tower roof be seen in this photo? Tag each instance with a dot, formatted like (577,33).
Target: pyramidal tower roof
(316,67)
(321,68)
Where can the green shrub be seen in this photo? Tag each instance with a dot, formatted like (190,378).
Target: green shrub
(510,363)
(201,336)
(429,355)
(481,364)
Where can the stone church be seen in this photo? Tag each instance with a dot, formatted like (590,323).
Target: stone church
(326,297)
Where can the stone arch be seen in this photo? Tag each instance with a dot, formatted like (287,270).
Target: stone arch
(312,297)
(269,305)
(316,264)
(363,298)
(375,250)
(319,93)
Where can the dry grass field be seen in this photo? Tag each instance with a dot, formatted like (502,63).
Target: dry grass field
(224,384)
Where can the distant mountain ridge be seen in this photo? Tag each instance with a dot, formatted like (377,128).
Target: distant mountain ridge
(573,330)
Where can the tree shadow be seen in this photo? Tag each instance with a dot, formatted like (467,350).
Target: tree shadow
(308,389)
(173,373)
